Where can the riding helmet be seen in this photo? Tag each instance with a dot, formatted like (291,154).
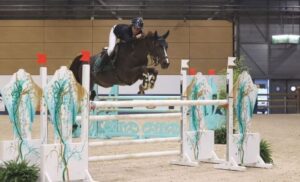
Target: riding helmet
(137,22)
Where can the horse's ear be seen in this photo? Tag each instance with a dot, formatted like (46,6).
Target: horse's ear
(166,34)
(155,35)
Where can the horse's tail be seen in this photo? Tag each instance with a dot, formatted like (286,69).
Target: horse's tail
(76,67)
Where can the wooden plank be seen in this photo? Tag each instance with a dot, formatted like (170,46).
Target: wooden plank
(65,50)
(178,50)
(97,47)
(109,23)
(20,50)
(68,23)
(166,23)
(174,68)
(68,34)
(177,34)
(12,65)
(21,34)
(101,34)
(21,23)
(211,50)
(211,34)
(210,23)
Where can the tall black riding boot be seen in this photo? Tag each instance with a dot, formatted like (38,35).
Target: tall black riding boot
(114,55)
(104,61)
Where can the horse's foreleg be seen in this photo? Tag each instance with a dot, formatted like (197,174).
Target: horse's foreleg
(141,90)
(154,74)
(145,83)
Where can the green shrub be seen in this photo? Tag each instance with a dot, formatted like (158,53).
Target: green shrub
(220,135)
(13,171)
(265,151)
(222,94)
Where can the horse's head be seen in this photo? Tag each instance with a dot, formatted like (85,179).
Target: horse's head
(158,49)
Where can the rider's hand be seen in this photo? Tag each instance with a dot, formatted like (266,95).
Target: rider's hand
(138,36)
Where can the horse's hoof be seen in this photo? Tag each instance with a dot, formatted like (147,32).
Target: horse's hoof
(145,86)
(151,86)
(93,95)
(141,93)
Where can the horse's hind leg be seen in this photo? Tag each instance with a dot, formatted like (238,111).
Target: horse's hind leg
(93,93)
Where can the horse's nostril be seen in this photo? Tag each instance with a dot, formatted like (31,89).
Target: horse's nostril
(165,65)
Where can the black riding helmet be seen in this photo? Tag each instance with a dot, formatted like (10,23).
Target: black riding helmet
(137,22)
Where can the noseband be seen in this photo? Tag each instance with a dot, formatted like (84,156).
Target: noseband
(155,56)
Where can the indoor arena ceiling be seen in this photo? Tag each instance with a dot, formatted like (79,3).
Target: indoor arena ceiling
(149,9)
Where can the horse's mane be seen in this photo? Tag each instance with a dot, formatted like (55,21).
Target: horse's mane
(150,34)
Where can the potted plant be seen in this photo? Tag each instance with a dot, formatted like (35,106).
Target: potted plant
(13,171)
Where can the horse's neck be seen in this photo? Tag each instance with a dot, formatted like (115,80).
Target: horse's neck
(138,48)
(135,53)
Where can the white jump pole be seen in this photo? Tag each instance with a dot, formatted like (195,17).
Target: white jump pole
(85,119)
(230,163)
(183,158)
(133,156)
(155,103)
(229,124)
(43,108)
(130,142)
(130,117)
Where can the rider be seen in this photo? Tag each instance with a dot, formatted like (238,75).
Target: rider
(125,33)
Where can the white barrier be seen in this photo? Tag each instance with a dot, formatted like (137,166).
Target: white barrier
(251,147)
(187,158)
(21,97)
(206,142)
(65,160)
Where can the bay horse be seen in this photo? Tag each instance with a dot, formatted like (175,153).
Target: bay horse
(131,63)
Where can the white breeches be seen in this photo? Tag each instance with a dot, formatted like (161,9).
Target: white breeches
(112,41)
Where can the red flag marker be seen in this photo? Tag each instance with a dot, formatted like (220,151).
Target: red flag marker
(192,71)
(85,56)
(211,72)
(42,58)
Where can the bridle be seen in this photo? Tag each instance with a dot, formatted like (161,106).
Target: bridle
(154,53)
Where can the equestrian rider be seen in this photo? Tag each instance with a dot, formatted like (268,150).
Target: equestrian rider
(125,33)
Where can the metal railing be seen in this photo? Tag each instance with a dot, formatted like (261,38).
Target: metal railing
(280,102)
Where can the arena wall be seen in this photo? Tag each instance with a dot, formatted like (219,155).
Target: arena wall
(207,43)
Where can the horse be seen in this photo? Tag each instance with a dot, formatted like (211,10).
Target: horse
(130,65)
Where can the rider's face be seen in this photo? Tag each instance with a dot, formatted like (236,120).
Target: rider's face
(135,31)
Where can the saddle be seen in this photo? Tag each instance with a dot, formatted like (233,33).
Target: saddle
(103,62)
